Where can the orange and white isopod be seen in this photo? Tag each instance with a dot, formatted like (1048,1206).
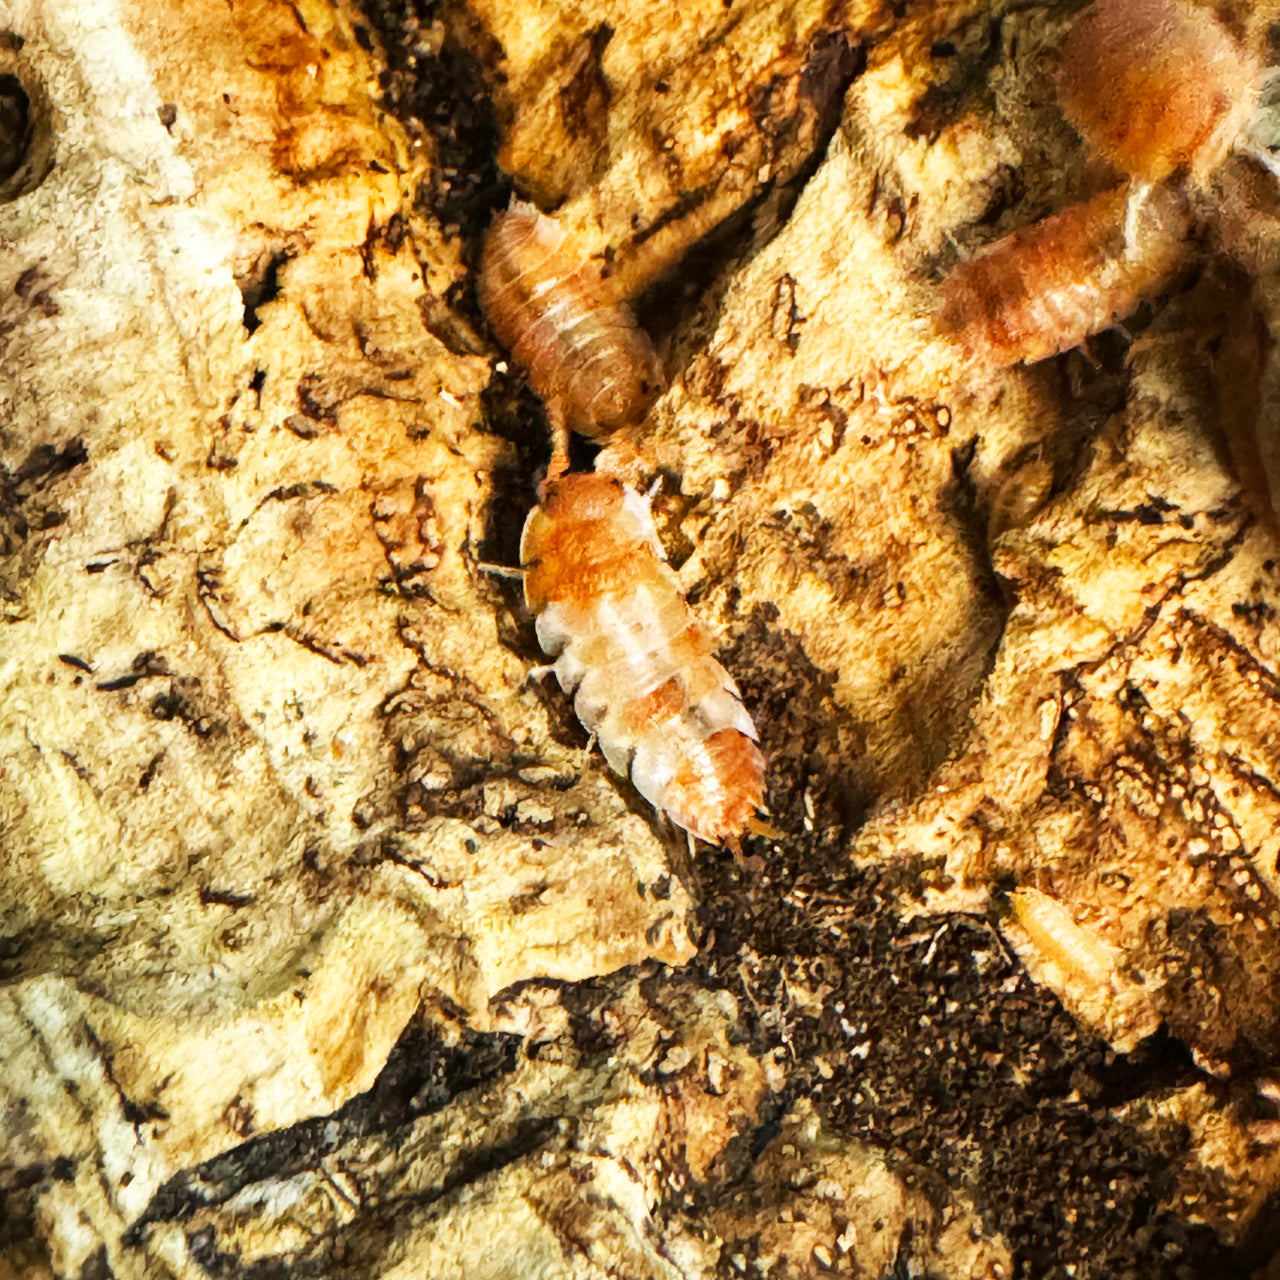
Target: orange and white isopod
(1045,288)
(585,355)
(1160,89)
(640,669)
(1156,87)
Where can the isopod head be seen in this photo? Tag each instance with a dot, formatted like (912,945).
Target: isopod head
(577,543)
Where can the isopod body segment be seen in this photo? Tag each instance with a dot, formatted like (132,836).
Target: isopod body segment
(1047,287)
(1156,86)
(640,669)
(582,349)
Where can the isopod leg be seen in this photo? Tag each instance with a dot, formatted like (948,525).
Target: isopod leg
(1137,197)
(559,442)
(501,570)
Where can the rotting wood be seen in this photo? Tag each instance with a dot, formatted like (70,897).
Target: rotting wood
(328,948)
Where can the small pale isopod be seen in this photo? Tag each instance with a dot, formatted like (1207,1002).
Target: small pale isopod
(583,351)
(1156,86)
(638,665)
(1054,933)
(1047,287)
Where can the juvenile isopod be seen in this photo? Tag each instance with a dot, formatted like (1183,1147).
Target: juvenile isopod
(582,349)
(1053,931)
(640,669)
(1047,287)
(1086,972)
(1156,86)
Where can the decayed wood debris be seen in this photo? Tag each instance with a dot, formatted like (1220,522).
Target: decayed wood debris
(329,948)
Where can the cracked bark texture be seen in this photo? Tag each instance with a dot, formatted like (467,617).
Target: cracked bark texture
(327,947)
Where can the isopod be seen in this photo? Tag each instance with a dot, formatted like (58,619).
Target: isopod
(582,349)
(1156,86)
(639,667)
(1047,287)
(1053,931)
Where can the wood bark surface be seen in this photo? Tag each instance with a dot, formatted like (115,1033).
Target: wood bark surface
(329,948)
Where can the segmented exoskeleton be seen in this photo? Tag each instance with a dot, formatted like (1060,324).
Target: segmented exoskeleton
(638,665)
(1047,287)
(554,310)
(1158,88)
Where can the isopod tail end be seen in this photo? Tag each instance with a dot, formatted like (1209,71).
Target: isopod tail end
(757,826)
(718,788)
(753,826)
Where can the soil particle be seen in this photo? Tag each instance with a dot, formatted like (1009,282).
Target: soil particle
(926,1040)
